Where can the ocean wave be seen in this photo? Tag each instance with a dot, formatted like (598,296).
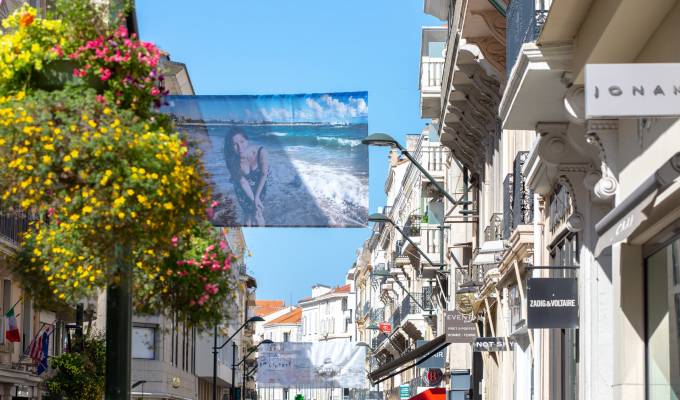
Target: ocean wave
(332,186)
(339,141)
(277,134)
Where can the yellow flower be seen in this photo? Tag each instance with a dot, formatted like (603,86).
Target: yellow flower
(74,153)
(87,210)
(168,206)
(121,215)
(46,159)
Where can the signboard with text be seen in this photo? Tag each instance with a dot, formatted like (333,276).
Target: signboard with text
(460,328)
(404,392)
(437,360)
(632,90)
(552,303)
(491,344)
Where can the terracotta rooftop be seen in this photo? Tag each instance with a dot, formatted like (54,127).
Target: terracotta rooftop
(266,307)
(292,317)
(342,289)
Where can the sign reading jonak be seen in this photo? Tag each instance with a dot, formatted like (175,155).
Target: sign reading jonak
(632,90)
(552,303)
(459,328)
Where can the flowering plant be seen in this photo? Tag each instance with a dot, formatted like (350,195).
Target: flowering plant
(28,45)
(102,176)
(196,279)
(133,65)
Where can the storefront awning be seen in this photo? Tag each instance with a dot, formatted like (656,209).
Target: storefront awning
(431,394)
(621,222)
(396,366)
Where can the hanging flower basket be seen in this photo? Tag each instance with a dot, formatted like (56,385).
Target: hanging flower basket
(57,74)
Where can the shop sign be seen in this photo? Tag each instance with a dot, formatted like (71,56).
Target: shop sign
(385,327)
(404,392)
(460,328)
(491,344)
(552,303)
(437,360)
(632,90)
(433,377)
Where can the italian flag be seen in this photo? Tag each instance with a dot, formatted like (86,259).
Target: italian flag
(12,332)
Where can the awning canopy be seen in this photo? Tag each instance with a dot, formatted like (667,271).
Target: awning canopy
(431,394)
(621,222)
(393,367)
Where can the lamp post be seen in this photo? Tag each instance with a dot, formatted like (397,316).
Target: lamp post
(216,347)
(383,139)
(252,350)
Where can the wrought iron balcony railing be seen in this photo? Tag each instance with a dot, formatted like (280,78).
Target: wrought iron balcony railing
(494,231)
(518,199)
(13,225)
(524,21)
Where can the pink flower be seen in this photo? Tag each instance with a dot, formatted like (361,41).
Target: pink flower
(50,212)
(203,299)
(121,31)
(223,245)
(57,49)
(210,212)
(100,99)
(227,264)
(155,91)
(105,74)
(174,241)
(211,288)
(79,73)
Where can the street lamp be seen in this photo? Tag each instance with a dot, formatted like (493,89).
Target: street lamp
(134,385)
(383,139)
(252,350)
(216,347)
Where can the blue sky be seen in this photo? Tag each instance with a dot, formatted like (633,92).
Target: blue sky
(335,108)
(303,46)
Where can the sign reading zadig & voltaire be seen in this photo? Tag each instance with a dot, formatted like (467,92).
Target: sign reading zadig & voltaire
(552,303)
(632,90)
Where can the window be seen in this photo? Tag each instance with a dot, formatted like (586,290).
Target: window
(344,304)
(144,342)
(286,336)
(663,323)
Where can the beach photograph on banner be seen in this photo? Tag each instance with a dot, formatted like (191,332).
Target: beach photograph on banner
(281,160)
(312,365)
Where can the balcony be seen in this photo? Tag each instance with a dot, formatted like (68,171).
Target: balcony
(432,53)
(12,225)
(494,231)
(535,90)
(518,199)
(524,23)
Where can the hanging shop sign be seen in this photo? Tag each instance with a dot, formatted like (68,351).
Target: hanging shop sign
(492,344)
(552,303)
(433,377)
(404,392)
(460,328)
(632,90)
(436,360)
(385,327)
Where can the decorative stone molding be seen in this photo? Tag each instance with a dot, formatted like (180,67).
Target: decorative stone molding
(574,222)
(575,104)
(603,134)
(493,50)
(494,21)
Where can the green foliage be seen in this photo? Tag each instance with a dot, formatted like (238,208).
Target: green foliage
(79,376)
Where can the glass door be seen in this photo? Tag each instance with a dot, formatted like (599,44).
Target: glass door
(663,323)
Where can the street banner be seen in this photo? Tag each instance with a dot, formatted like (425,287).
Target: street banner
(312,365)
(281,160)
(437,360)
(552,303)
